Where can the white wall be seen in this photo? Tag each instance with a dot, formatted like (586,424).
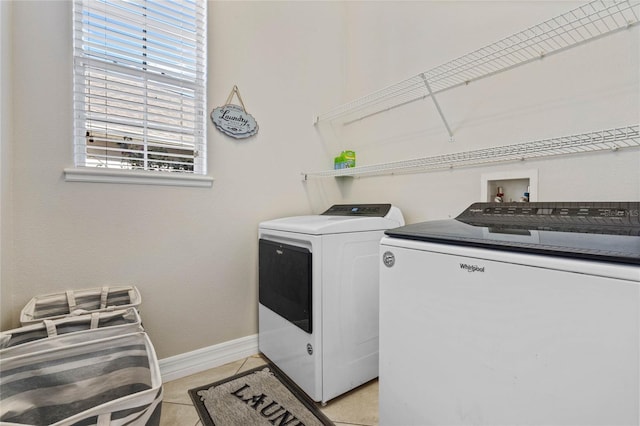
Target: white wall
(192,251)
(588,88)
(6,139)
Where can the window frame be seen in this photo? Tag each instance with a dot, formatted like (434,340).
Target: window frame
(130,171)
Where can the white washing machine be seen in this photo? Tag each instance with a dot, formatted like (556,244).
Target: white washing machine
(516,313)
(318,288)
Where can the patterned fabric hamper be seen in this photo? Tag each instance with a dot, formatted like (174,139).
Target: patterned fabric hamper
(122,321)
(74,302)
(114,381)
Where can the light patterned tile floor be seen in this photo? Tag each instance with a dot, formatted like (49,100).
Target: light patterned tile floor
(356,408)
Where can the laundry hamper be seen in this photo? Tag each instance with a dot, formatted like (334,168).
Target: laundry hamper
(114,381)
(121,321)
(73,302)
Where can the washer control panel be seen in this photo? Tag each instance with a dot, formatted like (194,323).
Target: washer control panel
(569,216)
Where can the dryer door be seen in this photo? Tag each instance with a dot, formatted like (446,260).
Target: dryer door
(284,281)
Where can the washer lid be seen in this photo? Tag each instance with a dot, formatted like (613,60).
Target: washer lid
(342,222)
(605,231)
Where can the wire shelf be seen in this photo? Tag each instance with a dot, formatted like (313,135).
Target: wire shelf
(588,22)
(610,139)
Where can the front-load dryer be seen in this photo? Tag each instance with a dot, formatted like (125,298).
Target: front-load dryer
(318,296)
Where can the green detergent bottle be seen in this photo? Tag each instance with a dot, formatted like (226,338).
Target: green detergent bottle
(345,160)
(349,159)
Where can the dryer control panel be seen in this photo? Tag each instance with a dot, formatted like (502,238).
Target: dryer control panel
(374,210)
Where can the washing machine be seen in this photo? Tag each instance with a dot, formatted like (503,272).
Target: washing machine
(515,313)
(318,291)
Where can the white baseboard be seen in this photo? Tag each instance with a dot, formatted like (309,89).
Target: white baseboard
(182,365)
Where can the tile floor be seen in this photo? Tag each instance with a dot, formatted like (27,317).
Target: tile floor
(356,408)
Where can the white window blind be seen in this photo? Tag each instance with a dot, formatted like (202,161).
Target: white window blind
(139,84)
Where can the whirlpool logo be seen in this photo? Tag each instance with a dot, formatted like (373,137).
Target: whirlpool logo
(471,268)
(388,259)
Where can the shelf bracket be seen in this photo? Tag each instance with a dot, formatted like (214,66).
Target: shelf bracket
(435,102)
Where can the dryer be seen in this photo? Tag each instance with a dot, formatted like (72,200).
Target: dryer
(318,291)
(515,313)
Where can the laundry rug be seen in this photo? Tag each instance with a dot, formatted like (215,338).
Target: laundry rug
(261,396)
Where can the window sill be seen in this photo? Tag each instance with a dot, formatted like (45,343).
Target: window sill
(138,177)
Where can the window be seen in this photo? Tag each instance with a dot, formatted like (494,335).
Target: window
(139,85)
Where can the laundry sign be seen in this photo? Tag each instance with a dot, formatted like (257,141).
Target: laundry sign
(234,120)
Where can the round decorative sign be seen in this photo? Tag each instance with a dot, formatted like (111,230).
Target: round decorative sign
(234,121)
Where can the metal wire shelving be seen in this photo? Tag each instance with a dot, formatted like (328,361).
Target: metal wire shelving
(585,23)
(591,21)
(610,139)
